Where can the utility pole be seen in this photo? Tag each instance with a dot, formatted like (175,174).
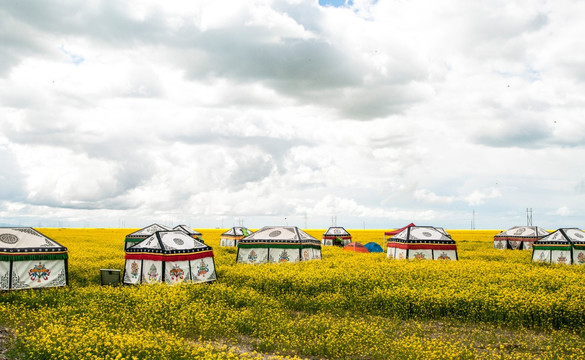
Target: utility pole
(528,216)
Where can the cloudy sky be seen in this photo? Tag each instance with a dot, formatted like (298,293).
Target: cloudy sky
(214,113)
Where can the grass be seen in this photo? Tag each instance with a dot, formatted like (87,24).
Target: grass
(490,304)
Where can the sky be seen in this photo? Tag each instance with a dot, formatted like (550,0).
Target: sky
(312,113)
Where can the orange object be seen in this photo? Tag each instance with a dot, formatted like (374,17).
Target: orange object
(355,247)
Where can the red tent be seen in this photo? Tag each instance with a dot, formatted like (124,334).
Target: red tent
(394,232)
(356,247)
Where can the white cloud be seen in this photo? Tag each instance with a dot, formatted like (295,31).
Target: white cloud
(380,112)
(478,197)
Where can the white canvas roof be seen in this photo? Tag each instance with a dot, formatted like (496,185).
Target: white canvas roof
(336,231)
(524,231)
(26,238)
(149,230)
(238,231)
(284,233)
(563,236)
(422,233)
(187,230)
(173,241)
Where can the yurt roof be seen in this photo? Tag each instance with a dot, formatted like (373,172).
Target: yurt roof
(187,230)
(397,231)
(422,234)
(169,242)
(563,236)
(26,239)
(149,230)
(238,231)
(336,231)
(280,234)
(523,231)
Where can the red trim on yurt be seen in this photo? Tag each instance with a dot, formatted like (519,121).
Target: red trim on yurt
(422,246)
(168,257)
(394,232)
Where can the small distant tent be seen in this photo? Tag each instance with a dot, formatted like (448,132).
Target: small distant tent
(31,260)
(139,235)
(189,231)
(422,242)
(233,235)
(336,236)
(564,246)
(519,237)
(171,257)
(356,247)
(278,244)
(373,247)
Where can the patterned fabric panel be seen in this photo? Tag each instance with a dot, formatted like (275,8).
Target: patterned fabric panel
(132,272)
(151,271)
(444,254)
(38,274)
(227,242)
(541,256)
(578,256)
(4,275)
(560,257)
(278,255)
(253,256)
(420,254)
(177,272)
(500,244)
(203,270)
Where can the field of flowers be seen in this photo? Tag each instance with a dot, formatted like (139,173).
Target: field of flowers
(490,304)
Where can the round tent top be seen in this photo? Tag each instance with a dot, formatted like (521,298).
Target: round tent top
(27,239)
(169,242)
(237,231)
(149,230)
(277,234)
(373,247)
(563,236)
(356,247)
(336,231)
(187,230)
(523,232)
(422,234)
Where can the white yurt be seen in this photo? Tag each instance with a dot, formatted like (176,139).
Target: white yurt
(519,237)
(564,246)
(171,257)
(233,235)
(139,235)
(423,243)
(336,235)
(30,260)
(278,244)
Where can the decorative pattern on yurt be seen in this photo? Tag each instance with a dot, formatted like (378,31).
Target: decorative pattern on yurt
(189,231)
(564,246)
(336,236)
(139,235)
(422,242)
(519,237)
(233,235)
(171,257)
(30,260)
(278,244)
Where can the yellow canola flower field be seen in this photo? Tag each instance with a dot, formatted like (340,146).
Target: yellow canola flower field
(490,304)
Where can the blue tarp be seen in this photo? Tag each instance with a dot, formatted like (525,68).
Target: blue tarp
(373,247)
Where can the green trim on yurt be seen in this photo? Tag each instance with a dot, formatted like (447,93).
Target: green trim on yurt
(278,246)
